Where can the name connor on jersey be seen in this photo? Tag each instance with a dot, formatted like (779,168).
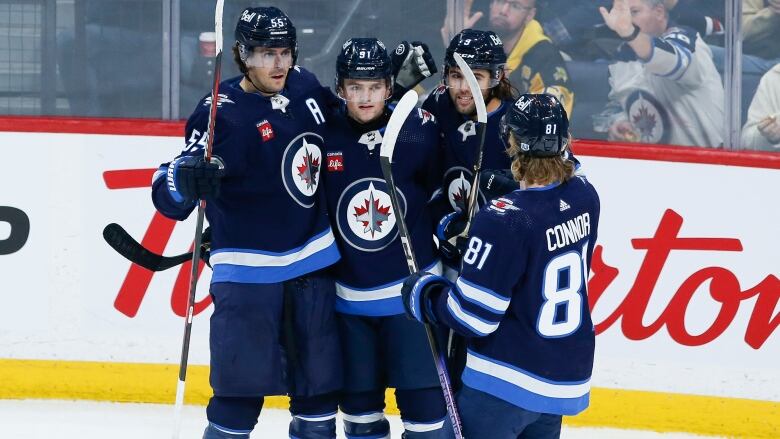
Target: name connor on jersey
(569,232)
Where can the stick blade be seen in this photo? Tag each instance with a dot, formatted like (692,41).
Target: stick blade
(476,92)
(397,119)
(218,24)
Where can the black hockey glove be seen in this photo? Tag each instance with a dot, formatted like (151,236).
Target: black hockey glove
(495,183)
(416,293)
(448,232)
(412,63)
(190,178)
(205,246)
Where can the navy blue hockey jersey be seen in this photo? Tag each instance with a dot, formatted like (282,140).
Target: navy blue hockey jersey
(269,223)
(373,266)
(521,298)
(460,147)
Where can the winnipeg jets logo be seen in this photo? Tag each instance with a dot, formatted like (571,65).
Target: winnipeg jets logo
(310,168)
(457,184)
(467,129)
(365,217)
(301,165)
(459,192)
(371,139)
(648,117)
(222,99)
(371,214)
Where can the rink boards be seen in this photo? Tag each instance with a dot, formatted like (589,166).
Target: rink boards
(684,287)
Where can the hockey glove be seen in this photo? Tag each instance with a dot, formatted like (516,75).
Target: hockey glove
(416,292)
(495,183)
(412,63)
(190,178)
(448,232)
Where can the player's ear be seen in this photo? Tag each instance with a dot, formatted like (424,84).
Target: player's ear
(531,13)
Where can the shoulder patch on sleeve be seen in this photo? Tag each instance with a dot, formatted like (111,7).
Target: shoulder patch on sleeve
(501,205)
(682,35)
(438,91)
(425,116)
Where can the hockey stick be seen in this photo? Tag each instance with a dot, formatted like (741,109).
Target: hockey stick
(124,244)
(479,102)
(185,345)
(405,106)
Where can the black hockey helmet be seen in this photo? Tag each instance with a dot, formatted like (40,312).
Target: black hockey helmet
(265,27)
(480,49)
(363,58)
(539,123)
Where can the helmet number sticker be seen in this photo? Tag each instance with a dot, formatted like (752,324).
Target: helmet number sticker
(552,128)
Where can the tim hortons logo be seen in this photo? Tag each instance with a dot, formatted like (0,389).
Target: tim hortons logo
(723,285)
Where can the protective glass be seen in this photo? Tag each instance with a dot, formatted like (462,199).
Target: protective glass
(513,5)
(364,92)
(455,79)
(269,58)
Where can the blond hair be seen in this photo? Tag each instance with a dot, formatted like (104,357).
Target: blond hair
(538,170)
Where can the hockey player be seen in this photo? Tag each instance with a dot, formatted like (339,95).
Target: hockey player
(521,298)
(273,330)
(453,106)
(382,347)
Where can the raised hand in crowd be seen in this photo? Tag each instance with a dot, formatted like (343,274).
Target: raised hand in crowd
(469,20)
(618,18)
(623,130)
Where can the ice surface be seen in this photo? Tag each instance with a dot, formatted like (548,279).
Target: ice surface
(38,419)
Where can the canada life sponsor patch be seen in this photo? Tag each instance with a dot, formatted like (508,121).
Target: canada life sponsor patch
(266,130)
(335,161)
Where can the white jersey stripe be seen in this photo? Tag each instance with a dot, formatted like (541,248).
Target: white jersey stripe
(247,259)
(384,292)
(526,381)
(486,298)
(476,325)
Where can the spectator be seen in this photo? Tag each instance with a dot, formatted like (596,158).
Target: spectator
(761,28)
(666,85)
(534,63)
(704,16)
(762,130)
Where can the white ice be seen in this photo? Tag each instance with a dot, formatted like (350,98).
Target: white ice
(38,419)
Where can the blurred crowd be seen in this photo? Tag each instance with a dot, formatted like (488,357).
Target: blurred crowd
(647,71)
